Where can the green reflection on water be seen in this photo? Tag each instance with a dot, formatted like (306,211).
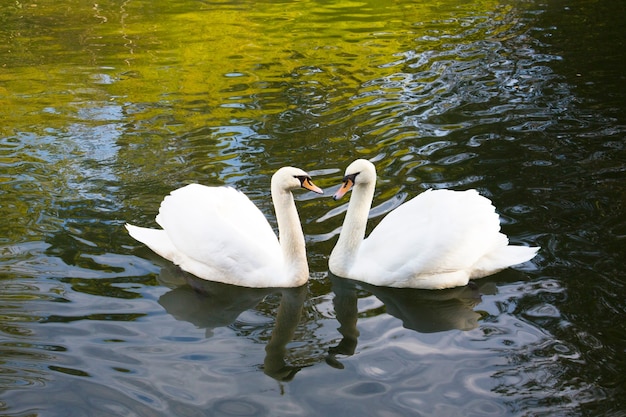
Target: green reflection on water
(188,64)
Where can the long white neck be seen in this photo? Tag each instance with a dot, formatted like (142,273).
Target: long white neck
(353,231)
(290,236)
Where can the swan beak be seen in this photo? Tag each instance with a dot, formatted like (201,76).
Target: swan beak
(308,184)
(345,187)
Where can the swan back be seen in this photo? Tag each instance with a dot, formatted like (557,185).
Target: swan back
(221,235)
(412,241)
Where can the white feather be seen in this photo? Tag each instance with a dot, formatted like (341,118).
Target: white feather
(439,239)
(218,234)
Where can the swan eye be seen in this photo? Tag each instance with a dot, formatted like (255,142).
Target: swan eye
(351,177)
(302,178)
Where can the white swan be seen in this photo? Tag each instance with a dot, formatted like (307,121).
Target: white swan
(218,234)
(439,239)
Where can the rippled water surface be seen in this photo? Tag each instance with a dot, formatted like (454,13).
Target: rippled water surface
(106,107)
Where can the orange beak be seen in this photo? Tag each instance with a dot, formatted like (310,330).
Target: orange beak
(345,187)
(308,184)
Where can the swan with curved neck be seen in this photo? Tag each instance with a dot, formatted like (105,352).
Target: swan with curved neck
(439,239)
(218,234)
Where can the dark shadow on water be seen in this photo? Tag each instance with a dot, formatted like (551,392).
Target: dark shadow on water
(209,305)
(206,304)
(424,311)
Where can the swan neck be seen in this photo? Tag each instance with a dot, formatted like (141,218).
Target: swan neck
(290,236)
(353,230)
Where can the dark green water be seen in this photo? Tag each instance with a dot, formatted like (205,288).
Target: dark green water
(107,107)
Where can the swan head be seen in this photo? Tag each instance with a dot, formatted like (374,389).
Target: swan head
(359,173)
(290,178)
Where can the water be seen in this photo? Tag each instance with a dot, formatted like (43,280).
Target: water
(107,107)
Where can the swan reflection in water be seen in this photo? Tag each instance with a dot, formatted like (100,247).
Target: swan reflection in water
(424,311)
(209,305)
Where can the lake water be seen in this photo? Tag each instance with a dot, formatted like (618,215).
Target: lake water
(107,107)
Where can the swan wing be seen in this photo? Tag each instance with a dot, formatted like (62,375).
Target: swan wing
(437,236)
(217,233)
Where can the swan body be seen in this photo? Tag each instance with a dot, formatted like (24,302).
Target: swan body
(218,234)
(439,239)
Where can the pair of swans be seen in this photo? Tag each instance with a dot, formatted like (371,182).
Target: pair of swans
(439,239)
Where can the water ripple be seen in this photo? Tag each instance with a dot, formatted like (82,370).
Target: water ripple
(102,120)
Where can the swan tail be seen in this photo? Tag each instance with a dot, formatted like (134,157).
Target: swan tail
(160,243)
(502,258)
(155,239)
